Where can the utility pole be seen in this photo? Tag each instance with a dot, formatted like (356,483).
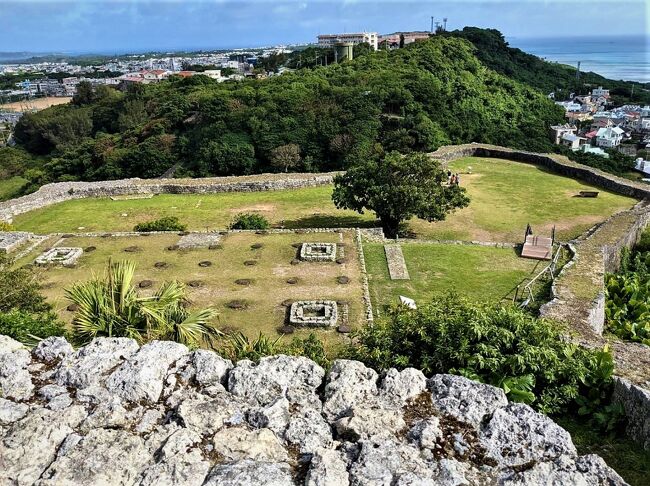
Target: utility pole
(432,24)
(445,24)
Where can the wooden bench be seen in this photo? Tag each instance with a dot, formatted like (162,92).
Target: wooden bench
(588,194)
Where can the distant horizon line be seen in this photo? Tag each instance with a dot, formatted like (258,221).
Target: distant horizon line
(193,49)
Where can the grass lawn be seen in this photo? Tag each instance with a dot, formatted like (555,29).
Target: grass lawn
(9,187)
(482,273)
(264,297)
(300,208)
(505,196)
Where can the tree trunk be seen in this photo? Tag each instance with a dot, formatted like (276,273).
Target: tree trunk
(390,226)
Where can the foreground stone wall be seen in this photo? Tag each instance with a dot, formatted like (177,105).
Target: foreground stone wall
(116,413)
(63,191)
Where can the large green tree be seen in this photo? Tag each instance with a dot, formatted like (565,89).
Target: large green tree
(397,187)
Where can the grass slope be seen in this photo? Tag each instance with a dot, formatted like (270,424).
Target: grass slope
(505,196)
(10,188)
(482,273)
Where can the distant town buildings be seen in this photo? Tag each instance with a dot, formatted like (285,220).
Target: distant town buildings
(394,40)
(330,40)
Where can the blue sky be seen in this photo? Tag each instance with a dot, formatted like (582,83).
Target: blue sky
(135,25)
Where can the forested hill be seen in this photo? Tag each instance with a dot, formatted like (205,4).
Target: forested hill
(413,99)
(493,51)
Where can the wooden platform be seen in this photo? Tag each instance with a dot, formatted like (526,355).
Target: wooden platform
(537,247)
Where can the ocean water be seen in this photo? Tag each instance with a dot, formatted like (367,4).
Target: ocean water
(625,58)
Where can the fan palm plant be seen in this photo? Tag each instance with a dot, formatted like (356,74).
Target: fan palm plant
(111,307)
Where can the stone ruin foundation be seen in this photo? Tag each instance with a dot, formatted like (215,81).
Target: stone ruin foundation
(313,313)
(10,240)
(198,240)
(60,256)
(318,252)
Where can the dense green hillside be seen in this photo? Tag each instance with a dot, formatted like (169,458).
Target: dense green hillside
(494,52)
(417,98)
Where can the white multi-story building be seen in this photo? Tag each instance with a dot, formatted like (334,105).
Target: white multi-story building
(330,40)
(599,91)
(609,137)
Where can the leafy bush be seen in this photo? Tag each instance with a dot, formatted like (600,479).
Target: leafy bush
(167,223)
(500,345)
(311,347)
(249,221)
(30,328)
(239,346)
(627,308)
(19,289)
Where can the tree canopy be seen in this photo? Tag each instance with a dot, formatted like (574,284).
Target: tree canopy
(407,100)
(397,187)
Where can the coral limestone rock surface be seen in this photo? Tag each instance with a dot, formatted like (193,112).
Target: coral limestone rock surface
(113,412)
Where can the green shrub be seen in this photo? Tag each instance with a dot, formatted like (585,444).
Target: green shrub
(30,328)
(19,289)
(168,223)
(249,221)
(239,346)
(501,345)
(627,308)
(4,226)
(311,347)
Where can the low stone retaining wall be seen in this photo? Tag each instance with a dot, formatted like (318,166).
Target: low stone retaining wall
(65,191)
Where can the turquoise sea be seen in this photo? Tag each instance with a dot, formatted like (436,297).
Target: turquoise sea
(625,58)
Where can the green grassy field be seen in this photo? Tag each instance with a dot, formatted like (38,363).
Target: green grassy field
(505,196)
(9,188)
(264,296)
(482,273)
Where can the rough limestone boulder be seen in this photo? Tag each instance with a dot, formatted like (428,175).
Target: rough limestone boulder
(117,413)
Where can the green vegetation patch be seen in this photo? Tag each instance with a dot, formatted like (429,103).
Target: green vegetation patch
(478,272)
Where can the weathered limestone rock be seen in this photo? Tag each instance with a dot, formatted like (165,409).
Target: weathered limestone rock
(15,380)
(206,416)
(141,376)
(363,423)
(586,470)
(116,413)
(31,443)
(296,378)
(386,462)
(349,383)
(11,411)
(465,399)
(104,456)
(87,365)
(309,432)
(9,345)
(238,443)
(250,472)
(328,468)
(210,368)
(517,435)
(181,462)
(52,349)
(398,387)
